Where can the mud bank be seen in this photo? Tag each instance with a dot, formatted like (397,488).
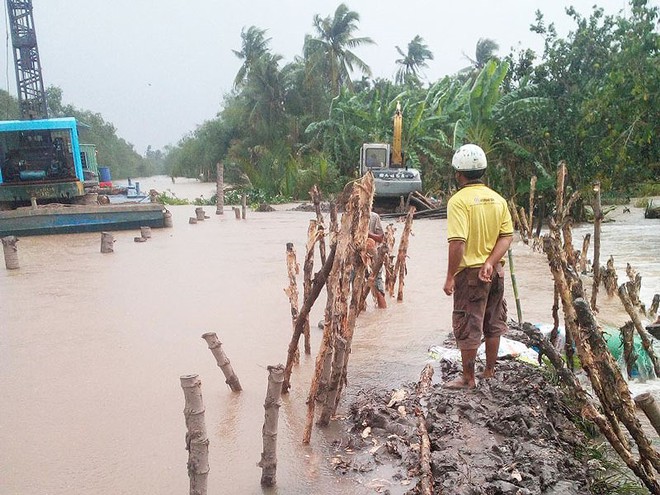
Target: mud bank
(511,435)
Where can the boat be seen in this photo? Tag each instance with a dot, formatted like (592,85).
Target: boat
(66,219)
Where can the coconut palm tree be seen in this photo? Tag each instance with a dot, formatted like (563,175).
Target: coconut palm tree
(485,50)
(254,45)
(330,51)
(412,61)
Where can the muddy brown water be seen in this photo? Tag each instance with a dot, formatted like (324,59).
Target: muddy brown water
(92,347)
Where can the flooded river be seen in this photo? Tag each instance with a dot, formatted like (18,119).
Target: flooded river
(92,347)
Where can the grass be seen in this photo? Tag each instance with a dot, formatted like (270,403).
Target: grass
(612,476)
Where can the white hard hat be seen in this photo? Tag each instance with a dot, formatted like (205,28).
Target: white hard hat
(469,157)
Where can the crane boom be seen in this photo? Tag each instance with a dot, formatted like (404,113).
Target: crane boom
(29,79)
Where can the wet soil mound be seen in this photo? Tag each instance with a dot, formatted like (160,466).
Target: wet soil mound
(511,435)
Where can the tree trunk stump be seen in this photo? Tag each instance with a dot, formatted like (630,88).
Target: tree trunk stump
(223,361)
(197,443)
(268,462)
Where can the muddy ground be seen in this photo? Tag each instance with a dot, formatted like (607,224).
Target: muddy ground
(511,435)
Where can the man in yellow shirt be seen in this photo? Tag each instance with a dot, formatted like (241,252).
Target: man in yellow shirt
(479,231)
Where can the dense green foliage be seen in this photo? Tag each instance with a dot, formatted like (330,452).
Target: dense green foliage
(590,99)
(112,151)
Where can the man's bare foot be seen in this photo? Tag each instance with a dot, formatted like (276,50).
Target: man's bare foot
(459,383)
(486,374)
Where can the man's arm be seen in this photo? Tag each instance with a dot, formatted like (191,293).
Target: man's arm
(456,250)
(499,250)
(376,237)
(376,229)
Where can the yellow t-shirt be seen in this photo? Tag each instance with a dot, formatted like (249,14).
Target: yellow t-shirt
(479,216)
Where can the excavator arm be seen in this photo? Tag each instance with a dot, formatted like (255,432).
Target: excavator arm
(397,157)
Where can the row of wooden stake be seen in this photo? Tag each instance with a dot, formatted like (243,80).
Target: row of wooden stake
(616,413)
(197,442)
(344,273)
(348,275)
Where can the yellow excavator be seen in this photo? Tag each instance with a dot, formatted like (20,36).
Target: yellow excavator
(392,177)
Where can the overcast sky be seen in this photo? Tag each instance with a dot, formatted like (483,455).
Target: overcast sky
(158,69)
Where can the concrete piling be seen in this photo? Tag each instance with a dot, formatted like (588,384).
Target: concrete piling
(167,220)
(11,252)
(107,242)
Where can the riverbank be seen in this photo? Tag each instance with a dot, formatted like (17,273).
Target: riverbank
(93,346)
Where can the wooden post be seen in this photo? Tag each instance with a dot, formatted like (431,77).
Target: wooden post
(313,233)
(653,310)
(400,267)
(325,353)
(244,206)
(107,242)
(532,191)
(316,199)
(647,403)
(541,215)
(514,284)
(145,232)
(609,277)
(333,388)
(219,189)
(583,253)
(199,214)
(627,338)
(192,220)
(561,181)
(197,443)
(222,360)
(317,284)
(377,261)
(268,462)
(237,212)
(634,285)
(517,222)
(524,223)
(426,478)
(390,277)
(598,220)
(11,252)
(291,291)
(167,219)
